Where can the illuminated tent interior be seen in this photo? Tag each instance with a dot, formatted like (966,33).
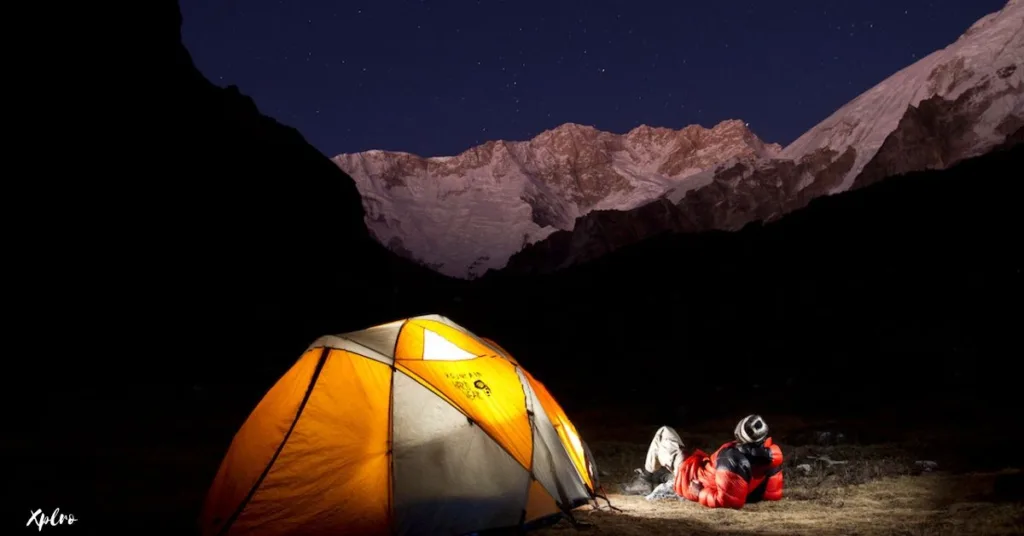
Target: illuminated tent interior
(412,427)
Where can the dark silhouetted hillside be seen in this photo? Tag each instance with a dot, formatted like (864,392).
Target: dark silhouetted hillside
(198,247)
(903,291)
(254,242)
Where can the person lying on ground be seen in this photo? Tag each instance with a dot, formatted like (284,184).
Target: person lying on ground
(746,470)
(664,457)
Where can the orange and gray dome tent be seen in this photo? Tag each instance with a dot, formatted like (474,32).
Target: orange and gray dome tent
(413,427)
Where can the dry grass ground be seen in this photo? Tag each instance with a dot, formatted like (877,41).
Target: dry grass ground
(880,490)
(162,472)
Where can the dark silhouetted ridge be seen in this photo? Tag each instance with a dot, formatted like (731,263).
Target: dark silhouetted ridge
(915,280)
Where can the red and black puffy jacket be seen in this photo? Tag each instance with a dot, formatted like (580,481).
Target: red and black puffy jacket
(733,476)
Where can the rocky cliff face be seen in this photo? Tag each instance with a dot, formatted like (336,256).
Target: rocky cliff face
(727,198)
(938,133)
(466,214)
(763,191)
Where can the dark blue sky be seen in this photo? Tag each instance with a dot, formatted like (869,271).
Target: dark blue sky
(436,77)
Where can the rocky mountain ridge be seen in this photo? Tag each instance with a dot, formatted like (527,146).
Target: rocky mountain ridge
(954,104)
(465,214)
(575,193)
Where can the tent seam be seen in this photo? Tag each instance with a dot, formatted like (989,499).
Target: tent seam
(391,447)
(420,380)
(284,441)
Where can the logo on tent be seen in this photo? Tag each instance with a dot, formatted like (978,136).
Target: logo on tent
(473,390)
(479,384)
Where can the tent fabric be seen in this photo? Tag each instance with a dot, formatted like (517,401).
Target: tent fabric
(565,430)
(570,438)
(413,427)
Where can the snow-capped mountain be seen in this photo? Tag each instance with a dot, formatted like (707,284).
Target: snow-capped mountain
(466,214)
(575,193)
(958,102)
(982,68)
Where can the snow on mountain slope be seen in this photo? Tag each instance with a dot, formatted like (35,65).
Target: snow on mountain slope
(957,103)
(988,56)
(574,193)
(465,214)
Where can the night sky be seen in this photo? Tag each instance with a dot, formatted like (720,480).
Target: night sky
(435,77)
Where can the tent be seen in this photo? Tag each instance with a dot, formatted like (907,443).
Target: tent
(412,427)
(574,445)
